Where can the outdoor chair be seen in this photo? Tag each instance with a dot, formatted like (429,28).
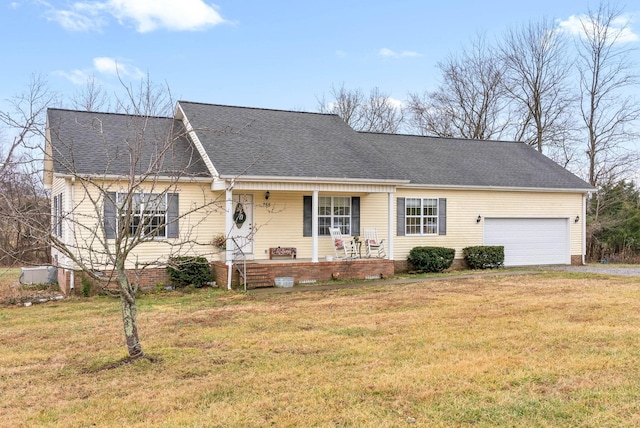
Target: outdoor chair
(372,244)
(342,245)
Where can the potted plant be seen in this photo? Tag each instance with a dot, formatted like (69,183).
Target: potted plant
(220,241)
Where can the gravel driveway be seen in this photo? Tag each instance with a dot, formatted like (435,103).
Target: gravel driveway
(601,269)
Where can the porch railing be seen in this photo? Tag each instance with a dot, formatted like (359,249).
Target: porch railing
(238,252)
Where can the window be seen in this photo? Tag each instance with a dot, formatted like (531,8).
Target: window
(333,211)
(150,215)
(148,211)
(56,220)
(421,216)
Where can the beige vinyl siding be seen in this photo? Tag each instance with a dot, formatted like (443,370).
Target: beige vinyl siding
(279,221)
(196,229)
(464,206)
(61,186)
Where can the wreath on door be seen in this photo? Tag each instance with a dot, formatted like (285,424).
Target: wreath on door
(239,216)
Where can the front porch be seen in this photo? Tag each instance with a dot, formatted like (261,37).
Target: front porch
(262,273)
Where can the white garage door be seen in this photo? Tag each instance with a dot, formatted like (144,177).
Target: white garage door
(530,241)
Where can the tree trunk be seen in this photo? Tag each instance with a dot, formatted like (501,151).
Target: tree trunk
(129,313)
(131,327)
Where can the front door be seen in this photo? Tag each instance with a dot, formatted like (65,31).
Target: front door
(242,231)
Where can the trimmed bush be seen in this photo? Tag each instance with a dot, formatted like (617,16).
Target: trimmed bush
(484,256)
(431,259)
(189,270)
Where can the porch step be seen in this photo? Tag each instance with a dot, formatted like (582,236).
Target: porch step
(257,276)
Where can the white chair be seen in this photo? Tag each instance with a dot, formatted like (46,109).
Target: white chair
(373,244)
(342,245)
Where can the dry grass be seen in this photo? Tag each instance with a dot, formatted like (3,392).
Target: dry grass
(544,350)
(11,291)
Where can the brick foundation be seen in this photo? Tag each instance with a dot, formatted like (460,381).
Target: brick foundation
(148,279)
(576,260)
(308,271)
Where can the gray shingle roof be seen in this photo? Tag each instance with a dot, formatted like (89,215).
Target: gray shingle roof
(261,142)
(280,143)
(101,143)
(276,143)
(459,162)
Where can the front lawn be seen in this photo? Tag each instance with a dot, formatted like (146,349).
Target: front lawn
(553,349)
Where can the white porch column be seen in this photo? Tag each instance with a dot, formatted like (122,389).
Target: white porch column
(390,225)
(228,224)
(584,228)
(314,226)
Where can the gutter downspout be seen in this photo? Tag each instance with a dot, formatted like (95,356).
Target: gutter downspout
(71,231)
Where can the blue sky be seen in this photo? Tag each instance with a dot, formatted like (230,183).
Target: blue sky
(278,54)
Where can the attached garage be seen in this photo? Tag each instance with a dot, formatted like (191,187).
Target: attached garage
(530,241)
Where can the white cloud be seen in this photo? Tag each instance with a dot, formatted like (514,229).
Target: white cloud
(574,26)
(104,66)
(175,15)
(77,77)
(388,53)
(14,5)
(145,15)
(113,67)
(397,104)
(341,54)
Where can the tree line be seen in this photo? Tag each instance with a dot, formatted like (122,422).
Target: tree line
(569,93)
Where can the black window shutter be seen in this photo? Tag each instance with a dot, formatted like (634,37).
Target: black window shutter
(60,210)
(172,215)
(110,214)
(307,207)
(55,215)
(400,215)
(355,215)
(442,216)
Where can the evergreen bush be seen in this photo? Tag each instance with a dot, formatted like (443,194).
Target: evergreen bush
(484,256)
(188,270)
(431,259)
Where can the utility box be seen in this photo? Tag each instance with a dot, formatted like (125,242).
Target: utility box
(38,275)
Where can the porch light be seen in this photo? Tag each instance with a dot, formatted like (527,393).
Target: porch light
(577,219)
(479,219)
(266,195)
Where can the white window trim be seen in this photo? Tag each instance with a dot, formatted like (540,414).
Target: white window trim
(333,216)
(142,215)
(422,216)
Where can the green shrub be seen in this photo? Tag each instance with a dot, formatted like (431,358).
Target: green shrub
(484,256)
(187,270)
(431,259)
(86,286)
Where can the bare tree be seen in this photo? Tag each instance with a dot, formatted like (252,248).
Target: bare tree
(607,109)
(536,81)
(470,102)
(374,113)
(23,201)
(132,200)
(91,97)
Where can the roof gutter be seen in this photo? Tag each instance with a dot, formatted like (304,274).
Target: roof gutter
(501,188)
(116,177)
(316,180)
